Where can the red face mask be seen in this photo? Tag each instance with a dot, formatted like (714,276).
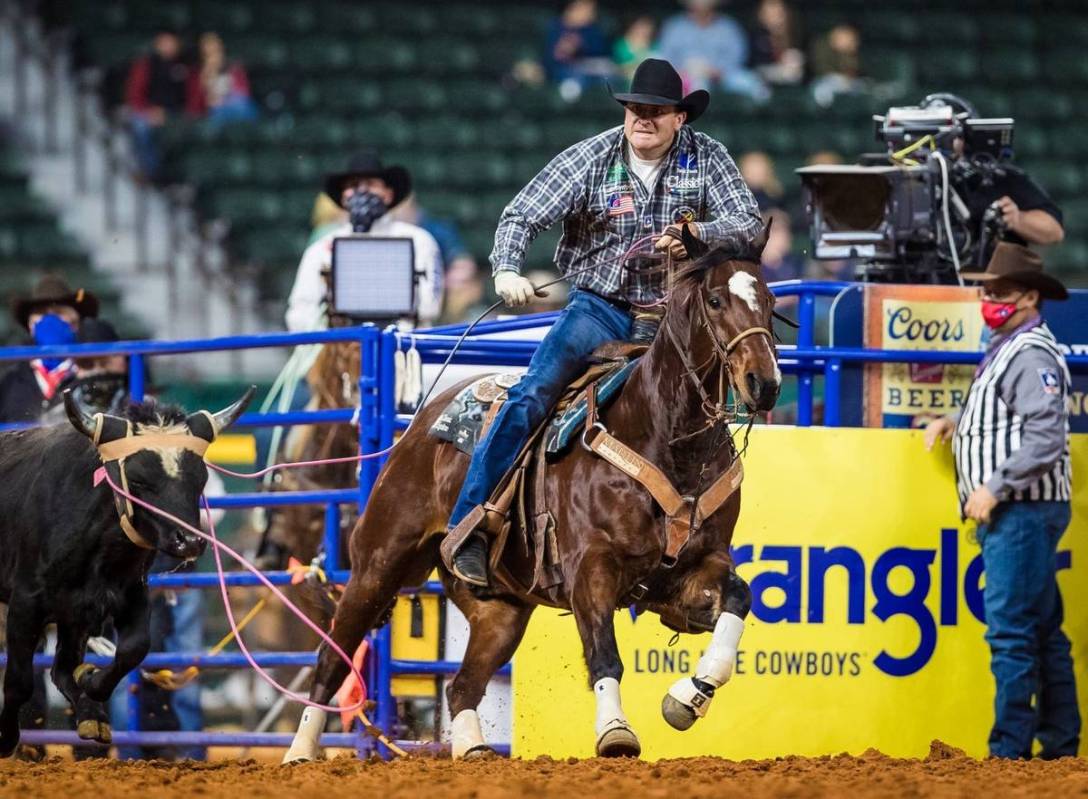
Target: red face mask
(995,314)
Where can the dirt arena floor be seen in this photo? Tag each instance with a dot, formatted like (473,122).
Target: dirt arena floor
(944,773)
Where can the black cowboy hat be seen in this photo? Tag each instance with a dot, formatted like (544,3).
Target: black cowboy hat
(656,82)
(53,290)
(1017,264)
(367,164)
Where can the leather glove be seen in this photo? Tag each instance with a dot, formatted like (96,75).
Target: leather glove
(364,209)
(514,289)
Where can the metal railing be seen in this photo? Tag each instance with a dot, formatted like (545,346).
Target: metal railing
(378,422)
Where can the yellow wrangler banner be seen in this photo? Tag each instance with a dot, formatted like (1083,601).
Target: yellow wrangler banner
(865,630)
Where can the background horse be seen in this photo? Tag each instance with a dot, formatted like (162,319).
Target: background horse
(609,531)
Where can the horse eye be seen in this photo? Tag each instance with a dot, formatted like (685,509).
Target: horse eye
(714,302)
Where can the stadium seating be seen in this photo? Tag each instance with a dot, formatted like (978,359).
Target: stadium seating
(31,243)
(429,83)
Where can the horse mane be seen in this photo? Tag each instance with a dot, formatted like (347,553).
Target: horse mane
(696,270)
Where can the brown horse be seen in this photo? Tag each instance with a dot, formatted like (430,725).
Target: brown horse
(609,530)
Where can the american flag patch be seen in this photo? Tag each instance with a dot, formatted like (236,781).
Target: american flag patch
(619,204)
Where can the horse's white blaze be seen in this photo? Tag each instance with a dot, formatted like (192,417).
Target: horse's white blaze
(609,710)
(307,742)
(743,285)
(465,734)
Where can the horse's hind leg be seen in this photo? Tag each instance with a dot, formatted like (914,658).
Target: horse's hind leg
(376,578)
(495,630)
(689,697)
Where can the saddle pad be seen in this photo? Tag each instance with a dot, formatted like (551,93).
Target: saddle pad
(563,427)
(463,418)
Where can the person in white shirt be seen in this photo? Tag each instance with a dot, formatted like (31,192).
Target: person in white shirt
(367,190)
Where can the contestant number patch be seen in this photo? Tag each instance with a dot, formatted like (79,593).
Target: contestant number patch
(1050,381)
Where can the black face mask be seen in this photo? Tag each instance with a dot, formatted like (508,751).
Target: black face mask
(364,209)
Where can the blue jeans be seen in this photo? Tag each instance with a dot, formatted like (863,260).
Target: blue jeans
(1029,653)
(586,323)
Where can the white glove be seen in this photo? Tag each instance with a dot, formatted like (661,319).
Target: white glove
(514,289)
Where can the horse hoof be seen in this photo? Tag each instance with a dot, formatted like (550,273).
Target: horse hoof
(618,742)
(93,730)
(676,713)
(481,752)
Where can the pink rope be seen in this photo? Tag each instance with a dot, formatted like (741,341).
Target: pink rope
(219,545)
(298,464)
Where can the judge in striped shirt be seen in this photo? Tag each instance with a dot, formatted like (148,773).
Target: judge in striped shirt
(1011,446)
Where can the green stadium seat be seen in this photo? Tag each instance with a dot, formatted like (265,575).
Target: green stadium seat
(1056,177)
(225,18)
(889,64)
(1004,30)
(347,17)
(944,67)
(1066,67)
(1063,31)
(1010,66)
(890,27)
(290,18)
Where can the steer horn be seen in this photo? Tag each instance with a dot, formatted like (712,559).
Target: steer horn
(229,415)
(81,419)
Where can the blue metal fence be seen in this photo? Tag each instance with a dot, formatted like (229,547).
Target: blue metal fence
(378,423)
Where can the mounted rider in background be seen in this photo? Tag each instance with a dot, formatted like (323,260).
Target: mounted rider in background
(646,177)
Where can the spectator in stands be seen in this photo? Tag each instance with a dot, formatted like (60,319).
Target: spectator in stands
(51,314)
(158,87)
(757,169)
(576,49)
(367,190)
(776,53)
(221,90)
(779,261)
(824,158)
(710,49)
(635,46)
(836,64)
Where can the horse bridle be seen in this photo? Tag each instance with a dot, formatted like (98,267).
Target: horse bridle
(715,411)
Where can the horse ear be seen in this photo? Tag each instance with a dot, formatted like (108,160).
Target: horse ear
(765,234)
(695,246)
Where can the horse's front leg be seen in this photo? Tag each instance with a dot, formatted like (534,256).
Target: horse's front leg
(689,697)
(597,589)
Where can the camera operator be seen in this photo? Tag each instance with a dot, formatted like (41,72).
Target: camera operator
(1005,198)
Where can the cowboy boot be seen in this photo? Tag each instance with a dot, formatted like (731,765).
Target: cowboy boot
(470,562)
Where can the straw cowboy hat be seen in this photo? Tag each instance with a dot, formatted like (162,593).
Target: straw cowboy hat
(367,164)
(53,290)
(656,82)
(1017,264)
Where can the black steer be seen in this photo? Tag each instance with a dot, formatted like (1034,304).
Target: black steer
(73,553)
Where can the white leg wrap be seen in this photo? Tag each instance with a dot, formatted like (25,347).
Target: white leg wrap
(307,743)
(465,734)
(715,667)
(716,664)
(609,711)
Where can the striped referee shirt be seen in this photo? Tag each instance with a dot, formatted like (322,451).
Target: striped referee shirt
(605,208)
(1013,432)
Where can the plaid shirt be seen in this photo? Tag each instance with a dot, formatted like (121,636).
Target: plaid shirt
(605,208)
